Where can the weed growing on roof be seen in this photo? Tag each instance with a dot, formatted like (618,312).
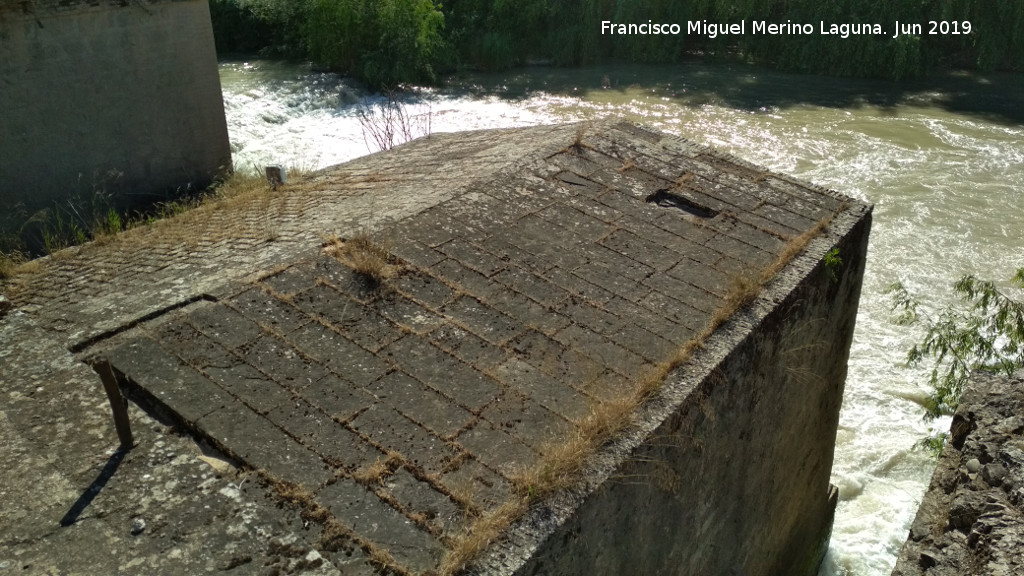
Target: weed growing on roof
(832,263)
(479,534)
(374,474)
(578,143)
(371,261)
(11,263)
(334,532)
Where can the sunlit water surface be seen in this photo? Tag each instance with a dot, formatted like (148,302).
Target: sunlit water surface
(946,187)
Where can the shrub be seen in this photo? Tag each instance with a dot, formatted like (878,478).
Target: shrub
(986,332)
(383,42)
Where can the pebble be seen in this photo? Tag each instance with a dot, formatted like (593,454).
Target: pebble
(314,559)
(993,473)
(973,465)
(138,525)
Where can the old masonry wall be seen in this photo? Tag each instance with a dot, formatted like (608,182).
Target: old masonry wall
(107,96)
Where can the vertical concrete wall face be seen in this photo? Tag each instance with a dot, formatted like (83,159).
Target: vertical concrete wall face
(736,479)
(119,96)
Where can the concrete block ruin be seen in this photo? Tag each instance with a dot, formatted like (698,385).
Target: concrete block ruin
(548,350)
(971,519)
(107,96)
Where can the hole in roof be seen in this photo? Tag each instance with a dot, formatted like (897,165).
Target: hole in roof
(570,178)
(667,199)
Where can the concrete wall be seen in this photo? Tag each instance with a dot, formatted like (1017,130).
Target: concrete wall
(732,474)
(93,89)
(971,520)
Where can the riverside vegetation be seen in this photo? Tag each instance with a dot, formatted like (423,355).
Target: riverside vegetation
(391,42)
(985,333)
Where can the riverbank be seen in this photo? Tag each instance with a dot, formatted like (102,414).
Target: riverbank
(971,520)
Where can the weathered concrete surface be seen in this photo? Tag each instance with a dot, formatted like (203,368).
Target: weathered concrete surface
(971,520)
(58,422)
(73,505)
(728,471)
(107,96)
(531,278)
(88,291)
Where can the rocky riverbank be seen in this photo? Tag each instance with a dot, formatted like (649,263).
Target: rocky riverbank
(971,520)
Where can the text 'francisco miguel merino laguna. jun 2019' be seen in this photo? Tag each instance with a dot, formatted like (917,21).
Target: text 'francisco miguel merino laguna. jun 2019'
(765,28)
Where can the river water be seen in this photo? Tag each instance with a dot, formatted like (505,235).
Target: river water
(942,161)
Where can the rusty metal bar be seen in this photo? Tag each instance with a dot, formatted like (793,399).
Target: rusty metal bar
(118,403)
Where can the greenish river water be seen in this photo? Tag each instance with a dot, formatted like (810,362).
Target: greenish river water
(942,161)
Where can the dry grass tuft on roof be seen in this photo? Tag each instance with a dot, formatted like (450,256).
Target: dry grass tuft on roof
(371,261)
(479,534)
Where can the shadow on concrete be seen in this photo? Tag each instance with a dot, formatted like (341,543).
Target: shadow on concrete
(95,488)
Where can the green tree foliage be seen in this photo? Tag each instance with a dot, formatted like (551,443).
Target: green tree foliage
(384,42)
(999,44)
(335,32)
(236,29)
(986,334)
(272,27)
(391,41)
(409,45)
(861,55)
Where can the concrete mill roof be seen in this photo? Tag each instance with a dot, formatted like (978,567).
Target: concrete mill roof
(391,344)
